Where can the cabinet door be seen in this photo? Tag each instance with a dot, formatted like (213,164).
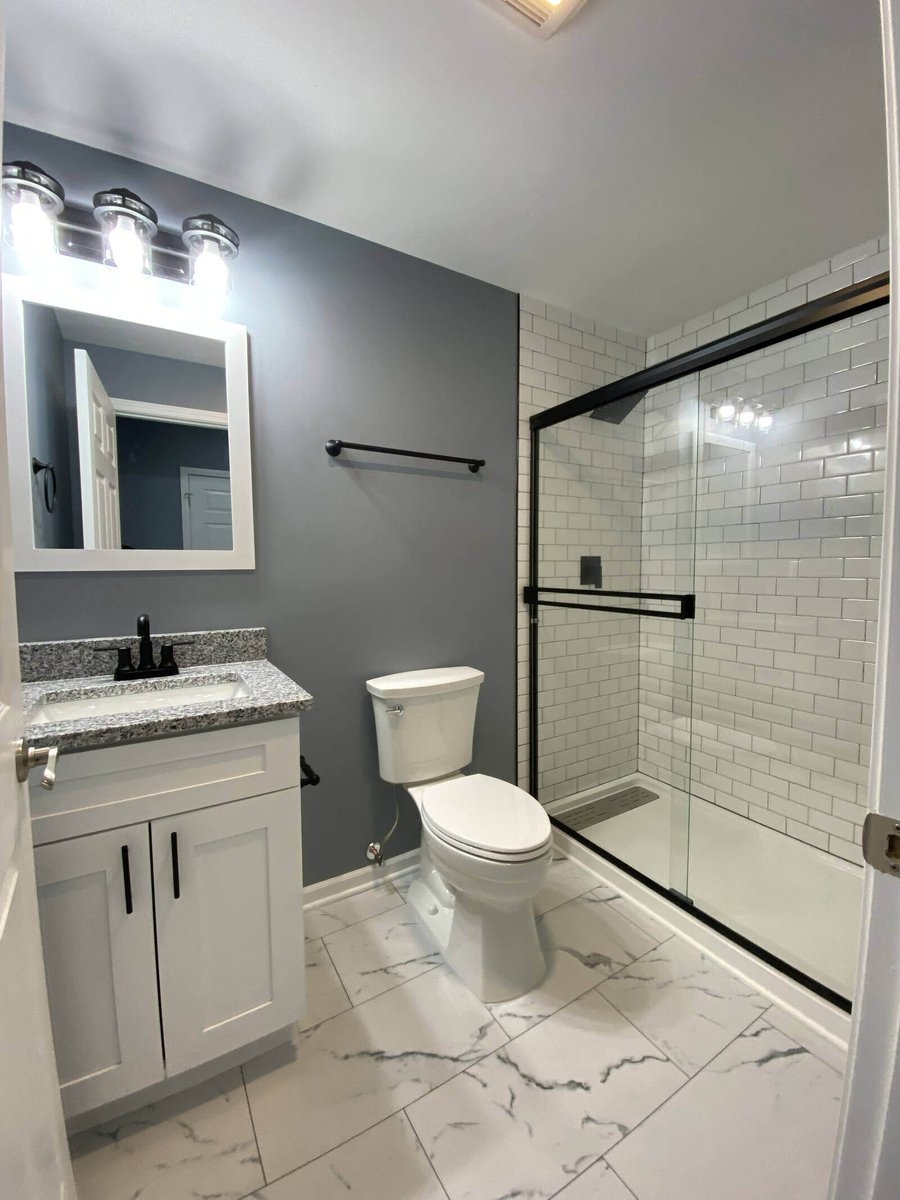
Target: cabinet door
(100,964)
(229,925)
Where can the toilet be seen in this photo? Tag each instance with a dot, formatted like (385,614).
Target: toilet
(486,844)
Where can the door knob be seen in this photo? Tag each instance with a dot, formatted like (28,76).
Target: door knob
(29,757)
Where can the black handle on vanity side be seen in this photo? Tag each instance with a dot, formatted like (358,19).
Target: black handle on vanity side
(176,878)
(126,872)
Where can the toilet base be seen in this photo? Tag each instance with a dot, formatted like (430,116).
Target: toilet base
(494,948)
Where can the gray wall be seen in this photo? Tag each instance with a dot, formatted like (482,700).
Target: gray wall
(151,455)
(48,426)
(152,378)
(364,565)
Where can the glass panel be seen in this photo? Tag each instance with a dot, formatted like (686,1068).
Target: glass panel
(614,689)
(788,563)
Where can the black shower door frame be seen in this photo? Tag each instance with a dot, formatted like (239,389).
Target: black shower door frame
(847,302)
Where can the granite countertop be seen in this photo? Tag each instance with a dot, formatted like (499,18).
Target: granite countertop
(270,694)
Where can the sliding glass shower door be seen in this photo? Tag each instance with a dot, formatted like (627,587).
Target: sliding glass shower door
(614,641)
(705,568)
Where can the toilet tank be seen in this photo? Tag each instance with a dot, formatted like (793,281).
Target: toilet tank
(432,736)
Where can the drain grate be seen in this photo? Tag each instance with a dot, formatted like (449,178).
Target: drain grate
(605,807)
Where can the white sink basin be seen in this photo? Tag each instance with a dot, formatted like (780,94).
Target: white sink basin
(148,701)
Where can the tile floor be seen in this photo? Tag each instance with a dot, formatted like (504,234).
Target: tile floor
(638,1070)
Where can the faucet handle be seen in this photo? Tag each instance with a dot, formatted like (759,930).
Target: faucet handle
(124,652)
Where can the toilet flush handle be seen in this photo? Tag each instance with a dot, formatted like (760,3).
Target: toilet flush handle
(396,711)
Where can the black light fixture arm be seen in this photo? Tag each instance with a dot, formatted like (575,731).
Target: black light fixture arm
(334,446)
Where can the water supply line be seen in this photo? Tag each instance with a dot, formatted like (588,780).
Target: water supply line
(375,850)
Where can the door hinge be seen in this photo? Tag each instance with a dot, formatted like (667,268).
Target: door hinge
(881,843)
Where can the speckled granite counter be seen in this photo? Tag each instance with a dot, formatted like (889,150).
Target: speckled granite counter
(206,657)
(269,694)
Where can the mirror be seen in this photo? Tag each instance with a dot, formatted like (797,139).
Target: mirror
(129,435)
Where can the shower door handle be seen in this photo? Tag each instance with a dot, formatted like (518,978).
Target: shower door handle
(881,843)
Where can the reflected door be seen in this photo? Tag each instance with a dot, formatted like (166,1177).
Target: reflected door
(98,458)
(206,509)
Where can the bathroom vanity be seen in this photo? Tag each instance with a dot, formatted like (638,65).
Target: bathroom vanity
(168,864)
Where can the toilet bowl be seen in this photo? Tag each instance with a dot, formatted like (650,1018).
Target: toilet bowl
(486,844)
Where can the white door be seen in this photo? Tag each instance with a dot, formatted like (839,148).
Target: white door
(867,1161)
(98,457)
(228,904)
(34,1158)
(206,509)
(95,897)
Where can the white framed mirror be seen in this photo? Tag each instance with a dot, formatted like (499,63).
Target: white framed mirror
(129,434)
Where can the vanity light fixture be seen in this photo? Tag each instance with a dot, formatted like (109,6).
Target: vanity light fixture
(128,226)
(212,245)
(122,231)
(746,414)
(32,202)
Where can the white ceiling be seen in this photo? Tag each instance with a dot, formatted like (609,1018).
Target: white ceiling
(653,159)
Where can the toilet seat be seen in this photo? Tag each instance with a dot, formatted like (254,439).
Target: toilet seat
(486,817)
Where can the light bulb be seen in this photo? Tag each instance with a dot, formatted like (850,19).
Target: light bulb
(725,411)
(210,275)
(125,248)
(32,231)
(746,417)
(765,421)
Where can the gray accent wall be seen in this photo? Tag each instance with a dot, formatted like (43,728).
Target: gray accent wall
(365,565)
(49,428)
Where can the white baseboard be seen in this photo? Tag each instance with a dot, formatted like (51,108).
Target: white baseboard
(832,1023)
(340,886)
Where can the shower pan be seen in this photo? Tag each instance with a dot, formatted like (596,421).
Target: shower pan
(702,718)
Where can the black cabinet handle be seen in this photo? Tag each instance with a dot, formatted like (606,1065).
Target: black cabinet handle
(126,871)
(176,878)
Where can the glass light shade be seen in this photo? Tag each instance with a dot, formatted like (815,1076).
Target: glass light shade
(210,273)
(746,417)
(725,411)
(765,421)
(128,226)
(32,201)
(126,243)
(211,245)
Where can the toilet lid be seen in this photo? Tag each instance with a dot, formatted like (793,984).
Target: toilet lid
(486,814)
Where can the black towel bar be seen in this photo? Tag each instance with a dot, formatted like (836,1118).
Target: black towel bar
(334,446)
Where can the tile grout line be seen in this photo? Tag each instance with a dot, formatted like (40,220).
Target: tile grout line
(253,1127)
(434,1169)
(690,1079)
(340,980)
(324,1154)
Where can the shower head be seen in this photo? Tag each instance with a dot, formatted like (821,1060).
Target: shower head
(616,411)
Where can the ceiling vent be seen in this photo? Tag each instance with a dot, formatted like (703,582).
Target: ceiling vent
(540,17)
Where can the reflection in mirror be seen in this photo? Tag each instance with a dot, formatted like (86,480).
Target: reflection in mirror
(134,422)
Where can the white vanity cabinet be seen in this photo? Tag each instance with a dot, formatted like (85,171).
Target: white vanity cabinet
(177,937)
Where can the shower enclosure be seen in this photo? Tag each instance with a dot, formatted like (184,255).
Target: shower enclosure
(704,571)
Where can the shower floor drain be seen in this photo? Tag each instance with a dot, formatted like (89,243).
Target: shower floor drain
(607,806)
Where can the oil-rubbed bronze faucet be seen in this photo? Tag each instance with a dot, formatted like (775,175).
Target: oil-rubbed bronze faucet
(146,668)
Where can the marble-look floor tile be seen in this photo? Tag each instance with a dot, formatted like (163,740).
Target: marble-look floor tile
(684,1002)
(331,915)
(325,995)
(380,953)
(527,1118)
(584,941)
(808,1036)
(758,1123)
(197,1143)
(384,1163)
(658,930)
(363,1065)
(566,879)
(599,1182)
(402,883)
